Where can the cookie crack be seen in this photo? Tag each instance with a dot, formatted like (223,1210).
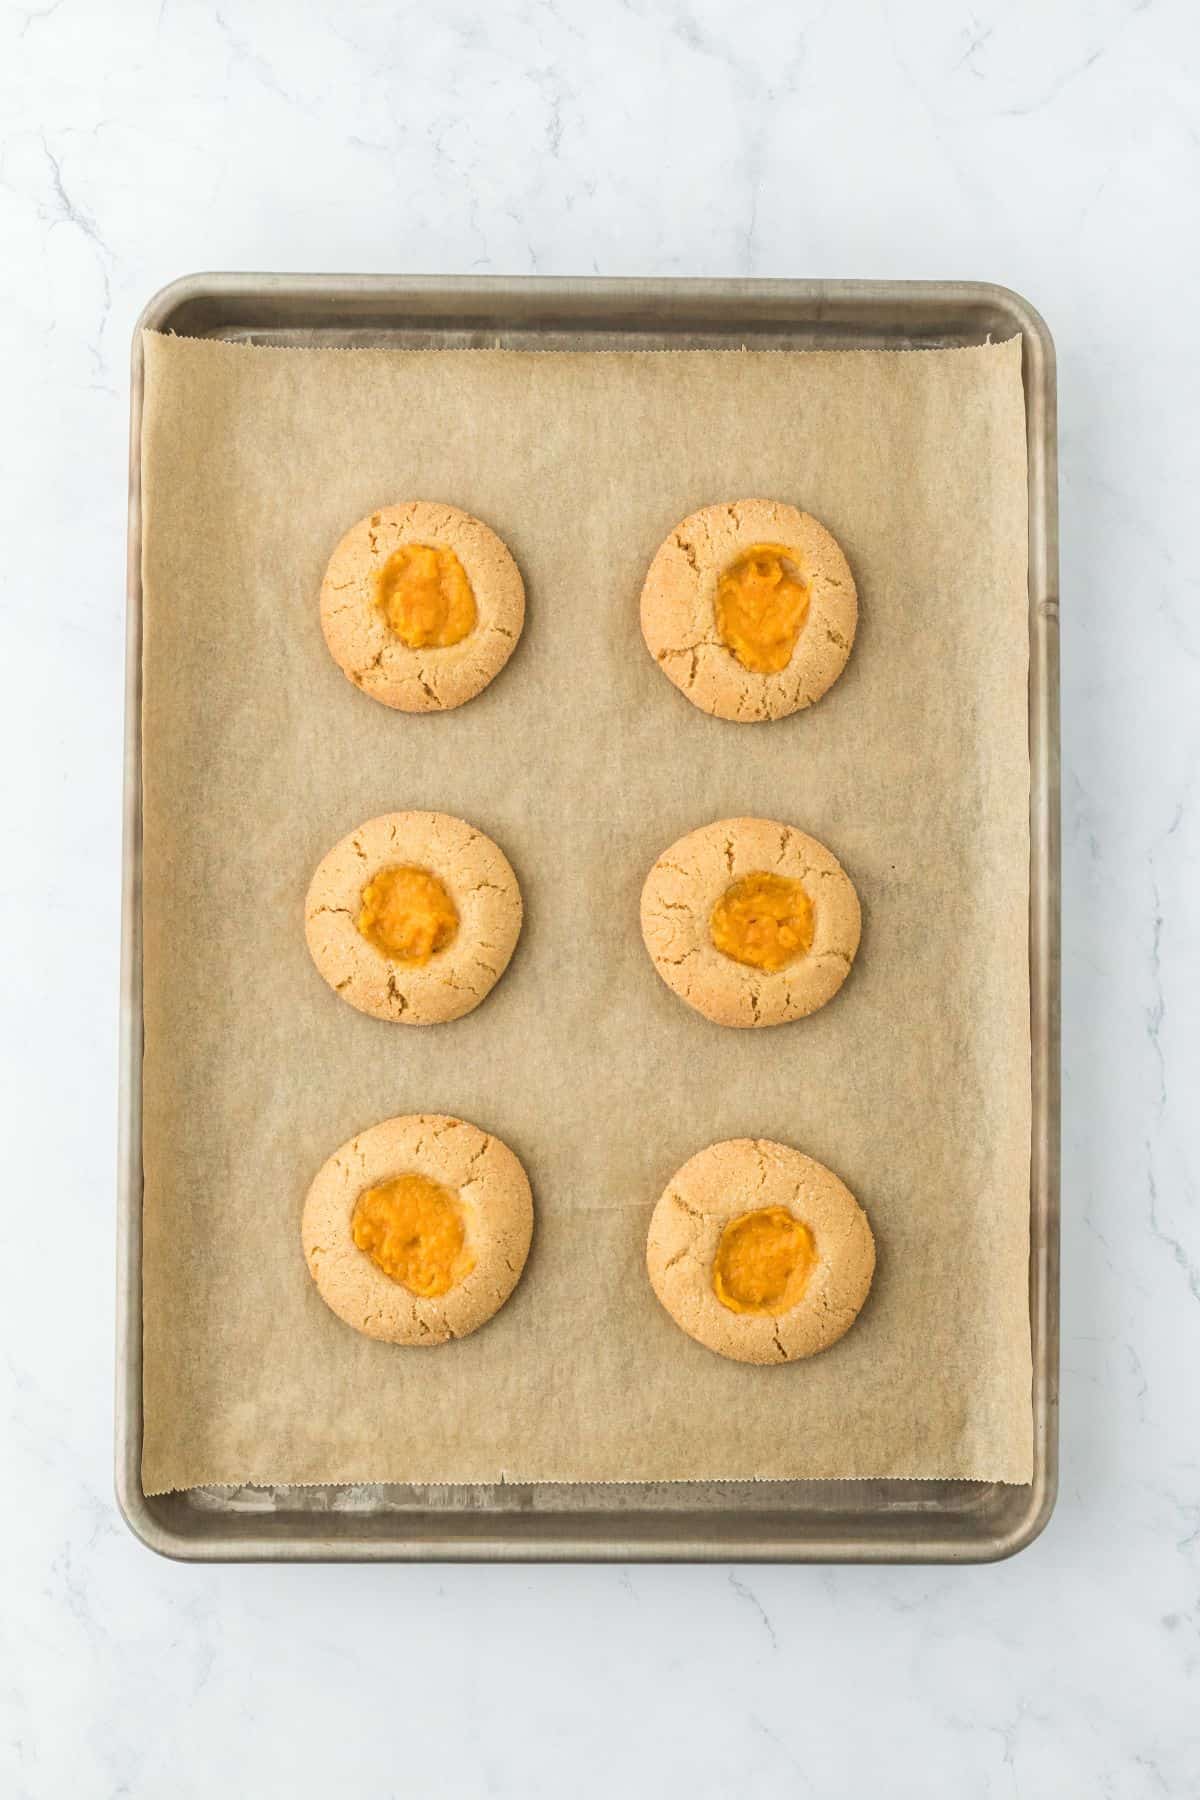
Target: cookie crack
(689,550)
(669,656)
(704,526)
(460,987)
(673,962)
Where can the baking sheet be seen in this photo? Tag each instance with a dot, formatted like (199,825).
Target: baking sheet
(583,763)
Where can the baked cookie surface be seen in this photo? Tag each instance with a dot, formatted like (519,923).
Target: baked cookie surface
(413,917)
(760,1253)
(421,606)
(417,1230)
(750,921)
(750,609)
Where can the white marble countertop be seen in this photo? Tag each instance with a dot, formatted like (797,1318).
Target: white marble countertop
(1051,147)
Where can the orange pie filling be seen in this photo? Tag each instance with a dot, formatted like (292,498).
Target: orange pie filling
(407,914)
(763,1262)
(762,603)
(414,1230)
(425,597)
(763,920)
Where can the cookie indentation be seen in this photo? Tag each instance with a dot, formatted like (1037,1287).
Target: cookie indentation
(764,921)
(414,1230)
(425,597)
(407,915)
(763,1262)
(762,603)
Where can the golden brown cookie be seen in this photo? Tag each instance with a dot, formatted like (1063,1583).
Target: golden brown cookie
(413,917)
(750,921)
(760,1253)
(421,606)
(750,609)
(417,1230)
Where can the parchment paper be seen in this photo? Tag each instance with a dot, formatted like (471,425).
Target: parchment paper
(584,762)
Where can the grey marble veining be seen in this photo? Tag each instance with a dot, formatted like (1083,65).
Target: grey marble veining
(1053,148)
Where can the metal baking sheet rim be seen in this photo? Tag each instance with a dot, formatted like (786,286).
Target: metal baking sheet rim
(843,1521)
